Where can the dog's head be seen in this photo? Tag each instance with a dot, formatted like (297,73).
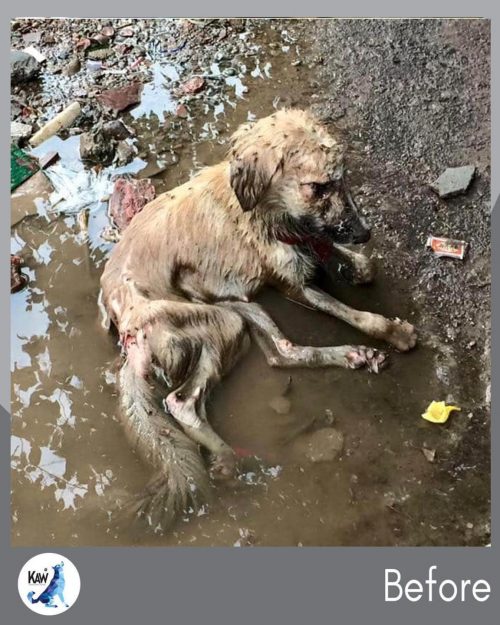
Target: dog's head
(289,168)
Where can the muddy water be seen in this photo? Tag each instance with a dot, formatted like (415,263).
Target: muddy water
(71,462)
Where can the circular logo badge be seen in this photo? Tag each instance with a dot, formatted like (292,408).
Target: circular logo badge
(49,584)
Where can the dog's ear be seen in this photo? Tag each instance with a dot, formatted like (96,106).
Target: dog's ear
(253,164)
(249,180)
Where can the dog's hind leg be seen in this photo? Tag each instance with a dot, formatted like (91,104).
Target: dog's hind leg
(187,405)
(281,352)
(195,355)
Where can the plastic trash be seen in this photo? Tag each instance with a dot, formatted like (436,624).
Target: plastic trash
(438,412)
(62,120)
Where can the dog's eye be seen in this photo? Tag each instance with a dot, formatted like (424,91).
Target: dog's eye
(321,189)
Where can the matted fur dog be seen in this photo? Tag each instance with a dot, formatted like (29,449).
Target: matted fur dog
(180,283)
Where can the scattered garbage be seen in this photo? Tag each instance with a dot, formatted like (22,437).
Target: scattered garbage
(121,98)
(247,538)
(438,412)
(451,248)
(429,454)
(76,188)
(48,159)
(454,181)
(129,197)
(36,54)
(17,279)
(22,166)
(20,132)
(63,120)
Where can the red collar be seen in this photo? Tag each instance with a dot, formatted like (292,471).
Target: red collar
(321,246)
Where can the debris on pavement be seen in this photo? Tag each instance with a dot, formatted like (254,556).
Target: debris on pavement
(246,539)
(72,67)
(454,181)
(96,148)
(125,152)
(116,129)
(181,111)
(48,159)
(36,54)
(63,120)
(451,248)
(20,132)
(122,98)
(438,412)
(17,279)
(192,86)
(129,197)
(429,454)
(22,166)
(23,67)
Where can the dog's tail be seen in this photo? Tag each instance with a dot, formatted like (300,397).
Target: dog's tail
(30,598)
(180,479)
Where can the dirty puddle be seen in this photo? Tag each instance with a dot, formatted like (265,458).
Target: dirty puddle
(71,461)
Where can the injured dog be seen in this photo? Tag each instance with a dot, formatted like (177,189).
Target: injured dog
(180,285)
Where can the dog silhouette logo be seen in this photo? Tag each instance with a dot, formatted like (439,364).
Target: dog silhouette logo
(49,584)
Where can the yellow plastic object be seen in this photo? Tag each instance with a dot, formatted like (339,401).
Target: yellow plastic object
(438,412)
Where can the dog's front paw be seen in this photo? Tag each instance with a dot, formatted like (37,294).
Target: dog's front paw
(363,270)
(360,356)
(401,334)
(223,467)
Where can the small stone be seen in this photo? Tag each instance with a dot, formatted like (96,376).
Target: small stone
(19,132)
(280,405)
(121,98)
(100,54)
(116,129)
(193,85)
(126,31)
(454,181)
(96,148)
(124,153)
(23,67)
(181,111)
(329,418)
(429,454)
(323,445)
(72,68)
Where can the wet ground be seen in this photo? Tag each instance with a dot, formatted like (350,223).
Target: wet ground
(71,461)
